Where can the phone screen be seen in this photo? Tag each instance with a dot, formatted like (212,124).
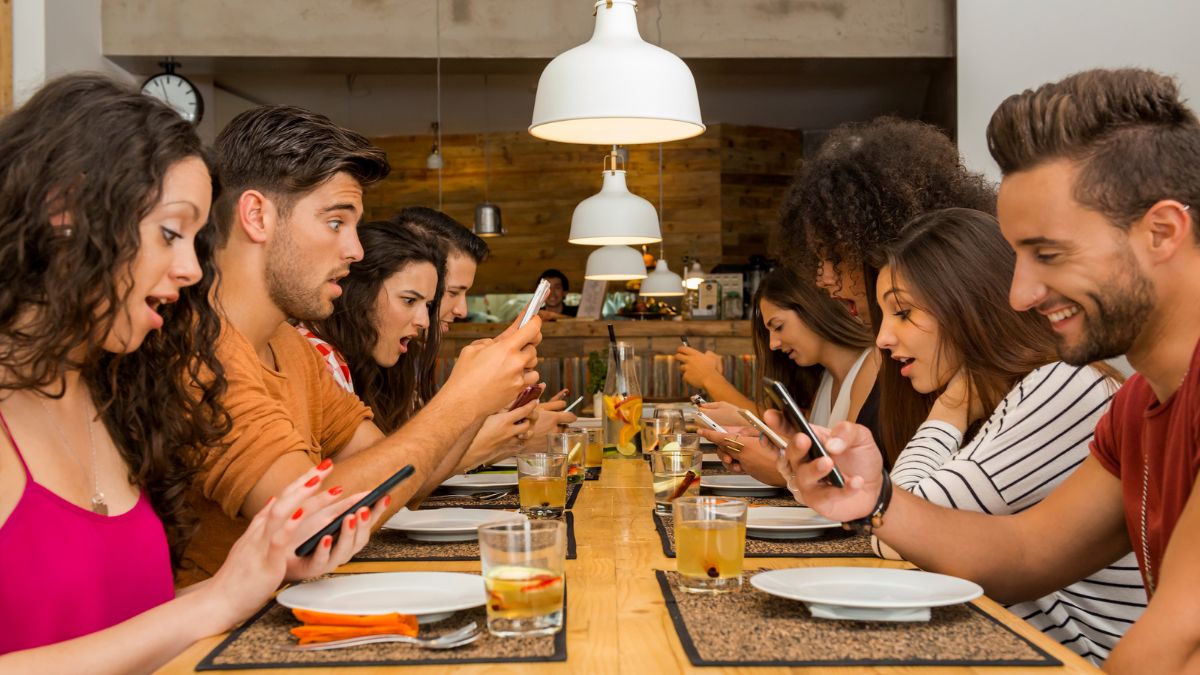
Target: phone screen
(335,526)
(539,297)
(780,397)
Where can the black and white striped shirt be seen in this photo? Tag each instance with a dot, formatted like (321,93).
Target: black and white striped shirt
(1034,439)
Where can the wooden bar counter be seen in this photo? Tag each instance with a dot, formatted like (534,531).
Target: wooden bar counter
(617,621)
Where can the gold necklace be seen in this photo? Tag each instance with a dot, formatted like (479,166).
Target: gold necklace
(99,505)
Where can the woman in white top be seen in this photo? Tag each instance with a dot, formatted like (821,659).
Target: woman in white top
(806,340)
(994,422)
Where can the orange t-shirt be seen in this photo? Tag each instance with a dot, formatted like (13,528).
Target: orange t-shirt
(297,408)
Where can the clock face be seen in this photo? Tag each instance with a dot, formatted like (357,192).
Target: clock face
(177,92)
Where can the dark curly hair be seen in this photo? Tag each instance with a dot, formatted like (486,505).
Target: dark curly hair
(392,393)
(91,148)
(865,182)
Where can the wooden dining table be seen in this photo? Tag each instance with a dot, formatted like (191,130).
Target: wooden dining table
(617,620)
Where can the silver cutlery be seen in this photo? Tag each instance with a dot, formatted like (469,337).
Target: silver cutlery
(463,636)
(480,497)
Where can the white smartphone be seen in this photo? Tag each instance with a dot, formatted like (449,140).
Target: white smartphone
(539,297)
(708,422)
(762,427)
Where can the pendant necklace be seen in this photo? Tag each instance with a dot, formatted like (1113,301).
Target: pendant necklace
(98,504)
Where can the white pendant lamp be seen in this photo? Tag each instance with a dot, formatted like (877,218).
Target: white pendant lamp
(693,277)
(662,282)
(616,88)
(614,216)
(615,263)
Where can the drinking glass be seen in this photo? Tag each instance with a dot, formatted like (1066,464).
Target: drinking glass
(593,453)
(523,567)
(710,541)
(651,429)
(676,474)
(674,417)
(542,483)
(570,443)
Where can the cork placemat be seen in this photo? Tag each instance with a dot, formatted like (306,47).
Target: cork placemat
(393,546)
(262,642)
(750,628)
(834,543)
(441,499)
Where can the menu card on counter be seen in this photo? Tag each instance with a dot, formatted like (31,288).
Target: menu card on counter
(591,299)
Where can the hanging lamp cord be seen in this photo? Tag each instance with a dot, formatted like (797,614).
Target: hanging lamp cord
(438,53)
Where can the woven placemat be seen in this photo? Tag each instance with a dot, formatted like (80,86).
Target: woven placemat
(394,546)
(835,543)
(592,472)
(262,642)
(751,628)
(441,499)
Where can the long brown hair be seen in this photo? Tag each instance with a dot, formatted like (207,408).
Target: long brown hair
(392,393)
(822,314)
(93,149)
(958,268)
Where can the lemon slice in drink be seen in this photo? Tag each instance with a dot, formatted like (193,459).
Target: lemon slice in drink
(627,449)
(673,446)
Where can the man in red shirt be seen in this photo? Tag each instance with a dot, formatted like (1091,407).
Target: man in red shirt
(1099,200)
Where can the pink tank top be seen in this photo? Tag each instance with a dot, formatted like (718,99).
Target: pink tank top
(66,571)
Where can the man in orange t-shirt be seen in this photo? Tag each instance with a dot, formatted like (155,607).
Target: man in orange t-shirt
(1099,198)
(286,217)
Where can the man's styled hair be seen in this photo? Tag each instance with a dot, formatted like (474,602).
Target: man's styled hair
(458,237)
(1134,139)
(286,152)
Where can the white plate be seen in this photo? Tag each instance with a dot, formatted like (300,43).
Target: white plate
(431,596)
(506,463)
(711,458)
(737,484)
(867,593)
(786,522)
(450,524)
(586,423)
(481,482)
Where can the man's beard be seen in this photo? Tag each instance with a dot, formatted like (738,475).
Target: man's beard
(285,285)
(1121,314)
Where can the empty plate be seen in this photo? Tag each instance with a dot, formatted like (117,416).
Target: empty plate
(480,482)
(867,593)
(786,522)
(431,596)
(450,524)
(737,484)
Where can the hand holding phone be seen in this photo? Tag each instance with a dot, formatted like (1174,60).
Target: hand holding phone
(783,400)
(763,429)
(539,297)
(708,422)
(335,526)
(684,340)
(698,400)
(527,394)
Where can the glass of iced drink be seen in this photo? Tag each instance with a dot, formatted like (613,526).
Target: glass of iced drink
(523,571)
(570,443)
(593,452)
(710,541)
(675,474)
(542,483)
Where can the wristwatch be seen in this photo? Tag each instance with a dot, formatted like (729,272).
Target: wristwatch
(868,523)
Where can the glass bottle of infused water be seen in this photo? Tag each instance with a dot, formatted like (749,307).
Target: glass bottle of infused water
(622,403)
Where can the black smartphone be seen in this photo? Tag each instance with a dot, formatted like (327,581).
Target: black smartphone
(783,400)
(335,527)
(684,340)
(698,400)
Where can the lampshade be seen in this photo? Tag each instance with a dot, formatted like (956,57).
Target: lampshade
(615,263)
(487,220)
(614,215)
(434,161)
(662,282)
(693,277)
(616,88)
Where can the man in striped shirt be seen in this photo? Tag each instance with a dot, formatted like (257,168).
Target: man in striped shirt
(1101,177)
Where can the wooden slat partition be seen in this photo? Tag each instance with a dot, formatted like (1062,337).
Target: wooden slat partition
(721,193)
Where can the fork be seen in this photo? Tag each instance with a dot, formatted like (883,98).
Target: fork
(481,497)
(463,636)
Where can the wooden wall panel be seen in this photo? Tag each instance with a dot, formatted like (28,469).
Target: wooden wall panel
(6,56)
(720,194)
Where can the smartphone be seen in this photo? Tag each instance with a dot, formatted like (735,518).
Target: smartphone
(684,340)
(783,400)
(335,526)
(708,422)
(573,404)
(698,400)
(763,429)
(539,297)
(527,394)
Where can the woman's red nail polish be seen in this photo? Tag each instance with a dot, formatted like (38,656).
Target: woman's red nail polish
(327,542)
(353,522)
(387,500)
(325,464)
(297,514)
(313,481)
(364,514)
(335,490)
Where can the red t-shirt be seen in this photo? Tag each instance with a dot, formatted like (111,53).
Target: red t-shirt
(1169,436)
